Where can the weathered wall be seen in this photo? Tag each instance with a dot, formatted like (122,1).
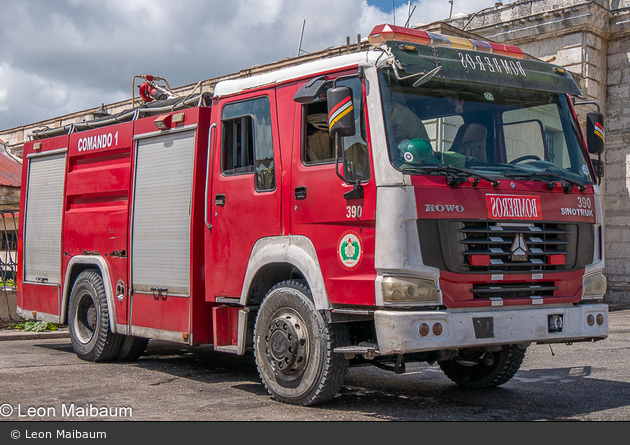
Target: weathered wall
(617,189)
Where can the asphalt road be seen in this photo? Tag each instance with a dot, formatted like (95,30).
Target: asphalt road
(42,379)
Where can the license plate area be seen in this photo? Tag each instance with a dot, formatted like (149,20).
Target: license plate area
(484,327)
(555,322)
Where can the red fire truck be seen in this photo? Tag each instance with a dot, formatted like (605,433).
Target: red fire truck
(431,198)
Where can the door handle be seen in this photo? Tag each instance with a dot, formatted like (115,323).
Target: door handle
(208,160)
(219,200)
(300,193)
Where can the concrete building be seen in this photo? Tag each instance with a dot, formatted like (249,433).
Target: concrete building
(589,38)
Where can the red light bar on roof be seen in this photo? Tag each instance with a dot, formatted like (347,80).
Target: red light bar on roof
(383,33)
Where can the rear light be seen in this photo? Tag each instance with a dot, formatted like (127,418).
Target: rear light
(424,329)
(557,260)
(383,33)
(163,122)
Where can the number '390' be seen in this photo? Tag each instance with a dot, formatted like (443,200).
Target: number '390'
(354,212)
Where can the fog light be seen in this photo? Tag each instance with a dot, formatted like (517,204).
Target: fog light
(600,319)
(409,290)
(437,329)
(590,320)
(424,329)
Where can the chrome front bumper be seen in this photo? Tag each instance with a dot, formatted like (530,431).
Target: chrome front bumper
(398,332)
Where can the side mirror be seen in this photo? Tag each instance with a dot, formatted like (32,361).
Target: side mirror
(310,91)
(595,138)
(340,112)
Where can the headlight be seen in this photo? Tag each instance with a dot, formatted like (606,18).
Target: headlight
(409,290)
(594,286)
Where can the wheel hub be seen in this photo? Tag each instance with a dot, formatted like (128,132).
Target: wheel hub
(91,318)
(86,318)
(286,345)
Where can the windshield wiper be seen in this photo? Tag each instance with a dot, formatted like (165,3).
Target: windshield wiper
(456,179)
(550,184)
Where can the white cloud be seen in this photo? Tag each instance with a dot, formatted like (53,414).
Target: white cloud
(68,55)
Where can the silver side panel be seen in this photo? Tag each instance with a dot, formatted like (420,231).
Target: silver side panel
(160,246)
(44,212)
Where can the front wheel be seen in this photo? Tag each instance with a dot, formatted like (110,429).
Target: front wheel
(293,346)
(131,348)
(88,319)
(484,370)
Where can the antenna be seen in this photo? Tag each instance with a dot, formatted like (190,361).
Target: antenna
(394,10)
(410,13)
(301,35)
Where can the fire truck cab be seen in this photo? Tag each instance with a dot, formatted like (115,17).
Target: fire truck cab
(429,199)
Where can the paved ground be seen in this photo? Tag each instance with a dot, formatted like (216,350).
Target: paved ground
(584,381)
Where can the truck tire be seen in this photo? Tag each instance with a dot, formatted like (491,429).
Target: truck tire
(477,374)
(293,347)
(131,348)
(88,319)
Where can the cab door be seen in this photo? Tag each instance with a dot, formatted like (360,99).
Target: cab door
(341,227)
(244,197)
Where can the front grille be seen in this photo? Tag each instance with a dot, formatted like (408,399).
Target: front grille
(513,290)
(489,246)
(495,242)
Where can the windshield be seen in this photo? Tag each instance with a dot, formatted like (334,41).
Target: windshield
(491,130)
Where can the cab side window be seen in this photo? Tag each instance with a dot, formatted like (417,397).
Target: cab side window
(247,142)
(319,147)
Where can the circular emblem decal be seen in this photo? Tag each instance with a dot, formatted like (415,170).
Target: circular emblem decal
(585,169)
(350,250)
(408,157)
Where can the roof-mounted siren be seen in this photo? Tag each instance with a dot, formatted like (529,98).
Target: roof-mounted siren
(384,33)
(153,88)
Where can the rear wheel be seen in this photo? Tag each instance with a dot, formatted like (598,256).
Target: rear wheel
(484,370)
(293,346)
(88,319)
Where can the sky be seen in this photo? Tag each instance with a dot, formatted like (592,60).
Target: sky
(63,56)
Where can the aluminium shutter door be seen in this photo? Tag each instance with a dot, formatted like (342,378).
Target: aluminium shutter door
(44,212)
(160,249)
